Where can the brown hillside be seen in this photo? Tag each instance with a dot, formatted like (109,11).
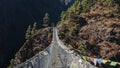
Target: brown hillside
(98,30)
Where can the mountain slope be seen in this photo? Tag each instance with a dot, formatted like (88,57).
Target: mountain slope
(94,30)
(90,27)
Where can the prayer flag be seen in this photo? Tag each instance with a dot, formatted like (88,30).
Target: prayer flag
(113,63)
(80,60)
(118,63)
(74,65)
(99,61)
(95,61)
(92,59)
(104,61)
(84,57)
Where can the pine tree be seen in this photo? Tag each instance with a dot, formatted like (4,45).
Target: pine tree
(75,9)
(62,15)
(46,20)
(34,28)
(79,7)
(109,2)
(117,8)
(28,33)
(87,4)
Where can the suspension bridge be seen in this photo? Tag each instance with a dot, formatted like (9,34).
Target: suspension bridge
(56,55)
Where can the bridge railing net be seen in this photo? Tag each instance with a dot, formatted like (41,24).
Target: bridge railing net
(67,59)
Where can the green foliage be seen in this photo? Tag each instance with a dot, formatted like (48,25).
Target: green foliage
(79,8)
(117,8)
(112,3)
(46,17)
(33,28)
(11,64)
(28,33)
(75,9)
(49,35)
(87,4)
(46,20)
(74,30)
(109,2)
(82,48)
(63,15)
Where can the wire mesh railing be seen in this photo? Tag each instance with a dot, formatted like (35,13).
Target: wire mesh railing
(57,55)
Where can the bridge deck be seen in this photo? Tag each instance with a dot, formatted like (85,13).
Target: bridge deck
(55,56)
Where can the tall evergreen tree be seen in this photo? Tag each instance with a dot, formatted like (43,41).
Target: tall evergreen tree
(79,7)
(109,3)
(117,8)
(76,8)
(46,20)
(87,4)
(34,28)
(28,33)
(62,15)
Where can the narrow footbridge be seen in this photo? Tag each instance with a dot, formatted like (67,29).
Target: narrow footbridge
(57,55)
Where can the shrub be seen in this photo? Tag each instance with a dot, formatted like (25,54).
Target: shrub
(109,3)
(117,8)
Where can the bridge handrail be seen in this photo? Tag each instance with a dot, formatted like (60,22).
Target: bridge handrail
(39,53)
(61,44)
